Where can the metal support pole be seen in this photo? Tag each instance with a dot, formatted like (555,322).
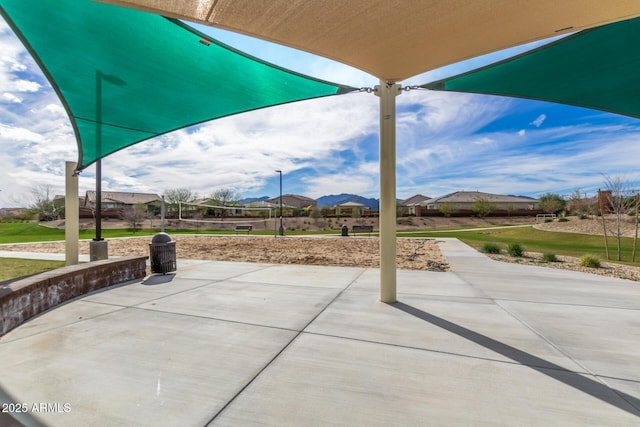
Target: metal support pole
(387,93)
(98,214)
(162,214)
(98,248)
(71,215)
(281,228)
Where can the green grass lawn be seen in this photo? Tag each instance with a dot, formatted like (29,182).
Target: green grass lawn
(10,268)
(25,232)
(569,244)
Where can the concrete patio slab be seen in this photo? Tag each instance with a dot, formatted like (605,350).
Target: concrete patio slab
(138,367)
(280,306)
(219,270)
(420,283)
(72,312)
(305,275)
(597,337)
(456,327)
(321,381)
(221,343)
(150,289)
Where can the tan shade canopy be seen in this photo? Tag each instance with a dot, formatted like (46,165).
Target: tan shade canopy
(396,39)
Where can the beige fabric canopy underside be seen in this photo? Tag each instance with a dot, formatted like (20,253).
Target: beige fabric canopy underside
(396,39)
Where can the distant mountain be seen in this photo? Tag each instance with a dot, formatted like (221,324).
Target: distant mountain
(337,199)
(253,199)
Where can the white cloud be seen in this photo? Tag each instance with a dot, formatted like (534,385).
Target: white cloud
(243,151)
(522,132)
(9,97)
(10,133)
(26,85)
(539,120)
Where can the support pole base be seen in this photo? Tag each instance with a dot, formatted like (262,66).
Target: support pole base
(98,250)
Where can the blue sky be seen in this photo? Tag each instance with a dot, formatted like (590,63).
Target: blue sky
(445,141)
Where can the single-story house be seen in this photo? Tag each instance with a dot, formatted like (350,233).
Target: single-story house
(12,211)
(410,204)
(466,200)
(293,201)
(123,200)
(348,208)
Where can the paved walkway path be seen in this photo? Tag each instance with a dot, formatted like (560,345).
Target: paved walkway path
(223,343)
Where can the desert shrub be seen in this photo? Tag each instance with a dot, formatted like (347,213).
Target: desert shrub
(563,219)
(549,257)
(515,249)
(582,216)
(491,248)
(590,261)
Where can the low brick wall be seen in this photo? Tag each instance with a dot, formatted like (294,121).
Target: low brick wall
(23,299)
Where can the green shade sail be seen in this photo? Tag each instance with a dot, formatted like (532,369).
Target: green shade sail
(596,68)
(125,76)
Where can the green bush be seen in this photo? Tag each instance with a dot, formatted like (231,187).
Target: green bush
(582,216)
(549,257)
(491,248)
(563,219)
(590,261)
(548,220)
(515,249)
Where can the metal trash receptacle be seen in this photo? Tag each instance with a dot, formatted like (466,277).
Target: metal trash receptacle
(162,254)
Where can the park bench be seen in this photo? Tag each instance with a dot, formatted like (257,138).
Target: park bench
(246,228)
(362,229)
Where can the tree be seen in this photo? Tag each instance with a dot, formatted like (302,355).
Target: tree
(42,202)
(578,203)
(134,215)
(553,203)
(325,210)
(446,208)
(174,196)
(482,207)
(621,199)
(315,212)
(225,197)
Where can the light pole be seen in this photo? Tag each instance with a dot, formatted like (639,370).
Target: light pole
(281,229)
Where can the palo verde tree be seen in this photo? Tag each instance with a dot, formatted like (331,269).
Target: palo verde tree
(483,207)
(553,203)
(446,208)
(578,203)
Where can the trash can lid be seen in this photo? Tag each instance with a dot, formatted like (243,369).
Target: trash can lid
(161,238)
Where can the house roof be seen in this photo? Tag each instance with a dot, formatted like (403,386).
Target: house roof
(122,197)
(414,200)
(472,196)
(351,205)
(292,196)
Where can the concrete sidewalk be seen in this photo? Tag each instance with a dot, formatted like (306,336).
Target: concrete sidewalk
(223,343)
(39,255)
